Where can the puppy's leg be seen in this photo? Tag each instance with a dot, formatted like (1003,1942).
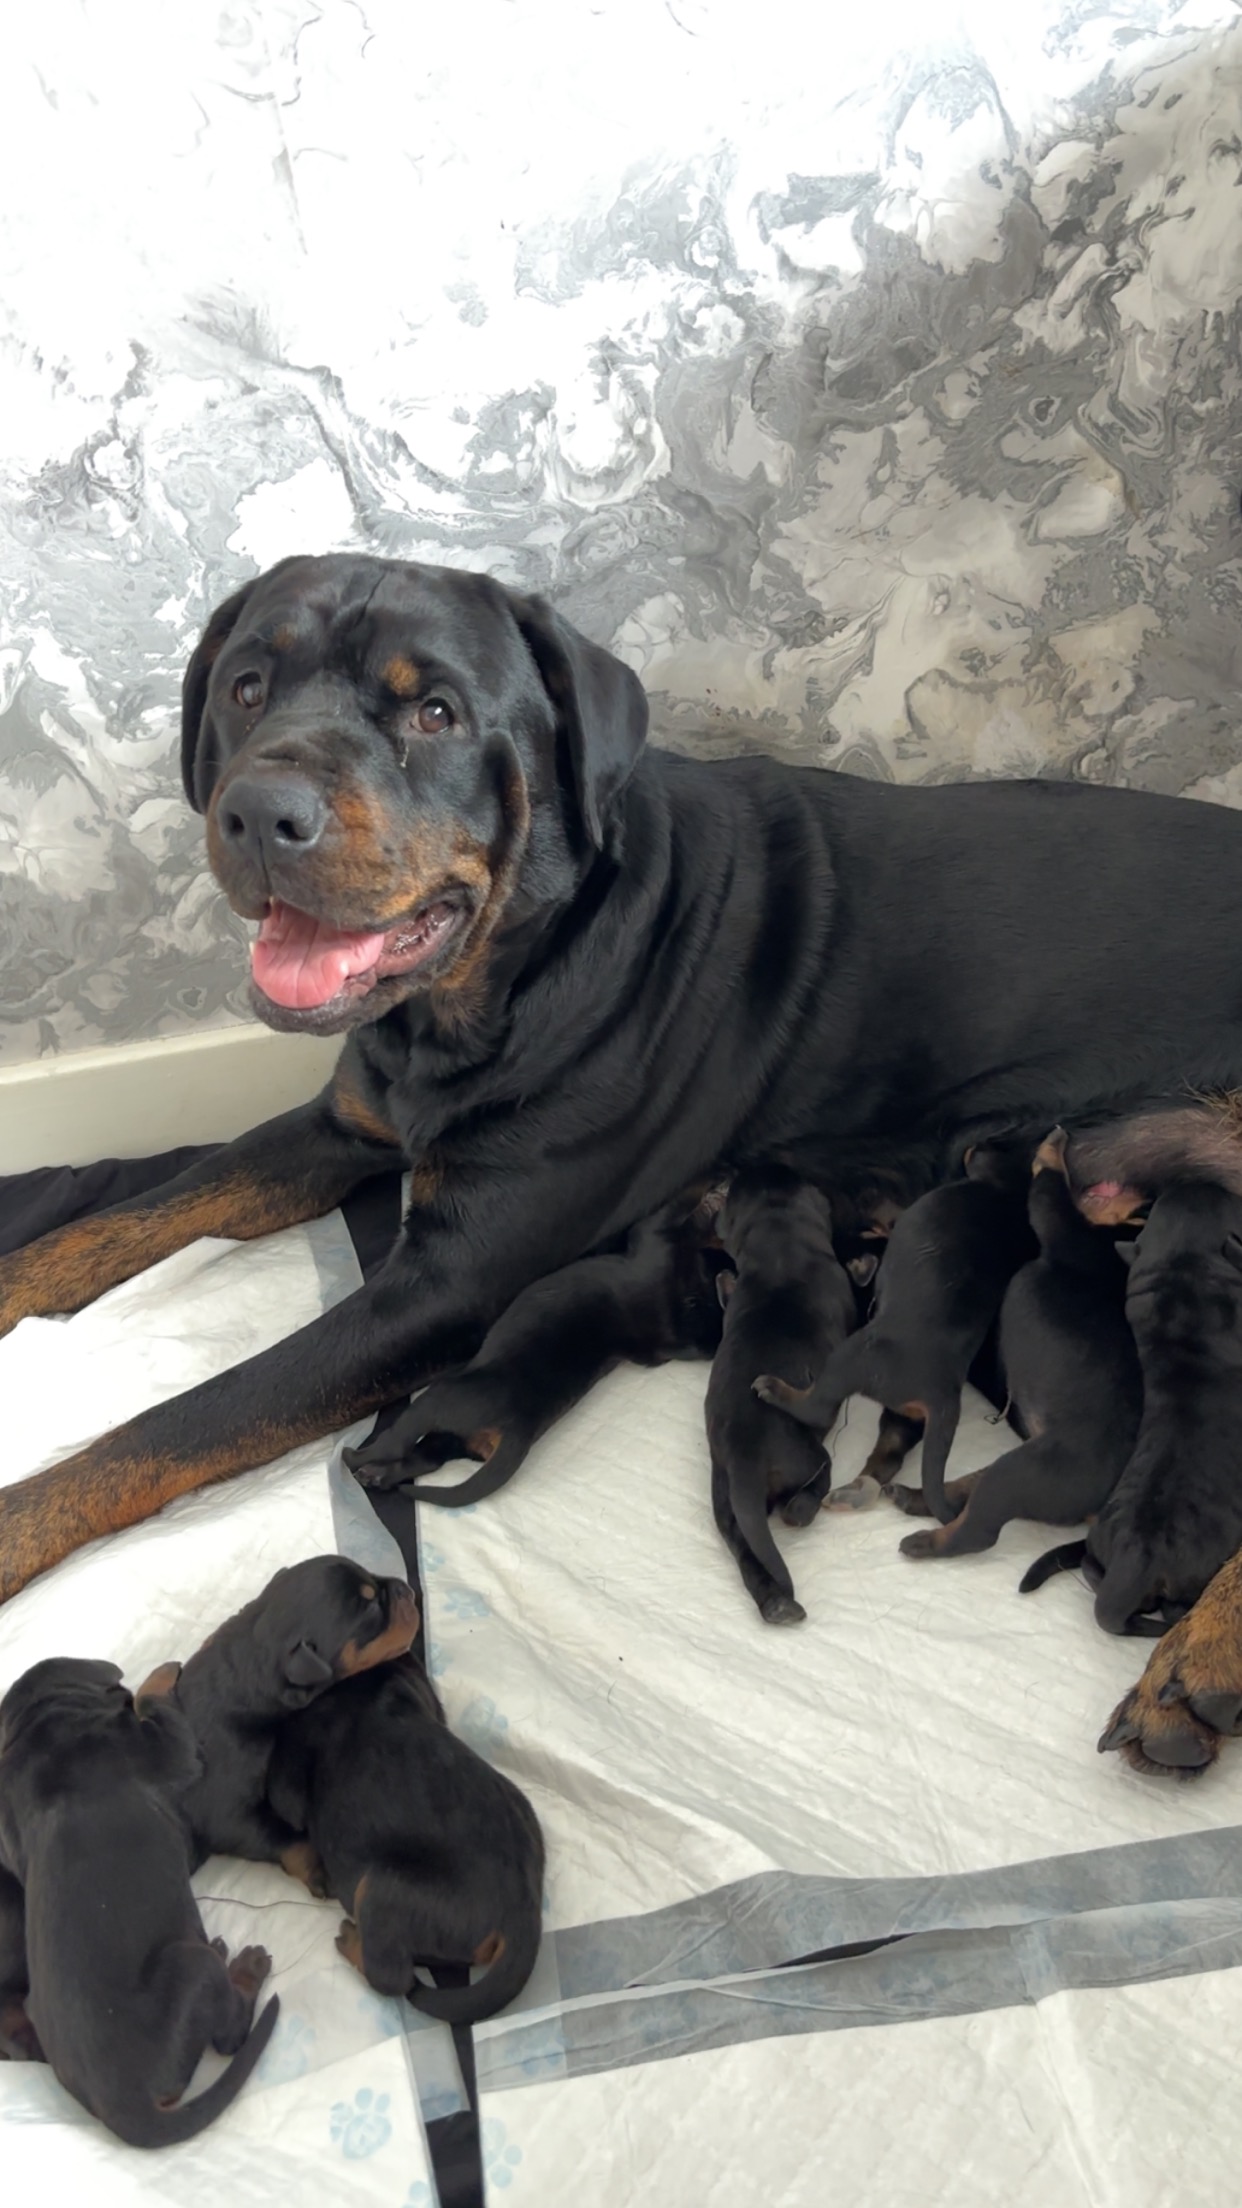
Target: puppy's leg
(805,1503)
(898,1435)
(1039,1480)
(1190,1696)
(775,1604)
(942,1421)
(913,1503)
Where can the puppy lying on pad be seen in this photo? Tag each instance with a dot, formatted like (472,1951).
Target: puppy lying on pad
(437,1858)
(651,1301)
(1072,1372)
(314,1623)
(126,1992)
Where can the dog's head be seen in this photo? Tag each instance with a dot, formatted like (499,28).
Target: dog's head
(320,1621)
(395,763)
(68,1694)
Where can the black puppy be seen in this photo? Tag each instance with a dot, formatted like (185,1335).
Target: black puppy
(949,1260)
(791,1302)
(1175,1515)
(650,1301)
(126,1990)
(1072,1371)
(18,2042)
(437,1858)
(314,1623)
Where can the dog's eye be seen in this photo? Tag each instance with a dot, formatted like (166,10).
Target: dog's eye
(248,691)
(433,716)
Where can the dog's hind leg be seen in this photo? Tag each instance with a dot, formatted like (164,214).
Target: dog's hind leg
(776,1603)
(942,1422)
(1023,1483)
(898,1435)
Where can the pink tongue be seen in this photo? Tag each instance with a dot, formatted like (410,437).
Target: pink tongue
(298,962)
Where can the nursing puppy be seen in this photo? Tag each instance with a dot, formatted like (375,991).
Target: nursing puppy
(1072,1371)
(314,1623)
(1175,1516)
(437,1858)
(790,1303)
(948,1262)
(126,1992)
(650,1301)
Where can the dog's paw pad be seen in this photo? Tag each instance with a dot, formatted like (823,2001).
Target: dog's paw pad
(1160,1734)
(783,1610)
(250,1966)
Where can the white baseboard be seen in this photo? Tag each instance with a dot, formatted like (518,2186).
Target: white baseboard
(140,1098)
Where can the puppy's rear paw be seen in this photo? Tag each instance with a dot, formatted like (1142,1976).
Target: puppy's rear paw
(782,1610)
(249,1967)
(801,1508)
(919,1544)
(857,1494)
(912,1501)
(771,1390)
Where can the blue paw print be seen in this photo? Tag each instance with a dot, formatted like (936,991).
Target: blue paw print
(362,2125)
(463,1602)
(419,2195)
(481,1723)
(437,1663)
(382,2014)
(431,1559)
(501,2160)
(288,2053)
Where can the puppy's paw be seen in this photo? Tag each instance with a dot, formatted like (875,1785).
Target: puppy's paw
(771,1390)
(921,1544)
(1050,1156)
(910,1500)
(348,1943)
(300,1861)
(801,1508)
(1189,1698)
(857,1494)
(249,1967)
(782,1610)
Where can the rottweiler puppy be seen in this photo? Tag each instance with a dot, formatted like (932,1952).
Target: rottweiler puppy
(652,1300)
(126,1991)
(948,1262)
(314,1623)
(437,1858)
(790,1301)
(1175,1515)
(18,2042)
(1072,1369)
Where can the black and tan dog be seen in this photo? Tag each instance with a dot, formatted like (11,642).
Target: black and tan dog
(437,1857)
(578,974)
(949,1260)
(650,1301)
(790,1299)
(126,1991)
(314,1623)
(1175,1515)
(1072,1372)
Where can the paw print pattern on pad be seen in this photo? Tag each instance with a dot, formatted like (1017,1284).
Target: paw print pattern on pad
(419,2195)
(499,2159)
(464,1602)
(361,2126)
(288,2053)
(481,1724)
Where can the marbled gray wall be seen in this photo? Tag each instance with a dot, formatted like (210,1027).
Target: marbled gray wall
(868,377)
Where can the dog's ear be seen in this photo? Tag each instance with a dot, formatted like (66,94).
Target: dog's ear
(305,1667)
(601,709)
(200,753)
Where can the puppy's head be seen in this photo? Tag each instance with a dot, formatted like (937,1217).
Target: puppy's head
(63,1694)
(324,1620)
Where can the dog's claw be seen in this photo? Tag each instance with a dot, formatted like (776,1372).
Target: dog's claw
(1189,1698)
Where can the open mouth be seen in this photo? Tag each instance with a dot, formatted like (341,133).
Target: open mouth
(303,964)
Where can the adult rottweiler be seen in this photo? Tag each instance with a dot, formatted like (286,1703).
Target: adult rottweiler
(577,975)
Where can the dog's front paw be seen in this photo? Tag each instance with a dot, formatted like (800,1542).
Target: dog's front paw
(1189,1698)
(782,1610)
(249,1967)
(771,1390)
(390,1459)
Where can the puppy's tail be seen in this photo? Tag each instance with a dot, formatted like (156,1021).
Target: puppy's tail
(1066,1558)
(512,1962)
(143,2125)
(508,1457)
(748,1501)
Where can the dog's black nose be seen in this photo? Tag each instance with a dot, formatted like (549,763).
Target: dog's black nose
(269,816)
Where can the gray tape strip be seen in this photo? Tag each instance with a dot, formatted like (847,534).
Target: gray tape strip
(776,1916)
(926,1975)
(359,1533)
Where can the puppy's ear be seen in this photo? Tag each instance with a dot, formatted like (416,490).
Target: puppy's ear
(200,750)
(601,710)
(305,1667)
(863,1269)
